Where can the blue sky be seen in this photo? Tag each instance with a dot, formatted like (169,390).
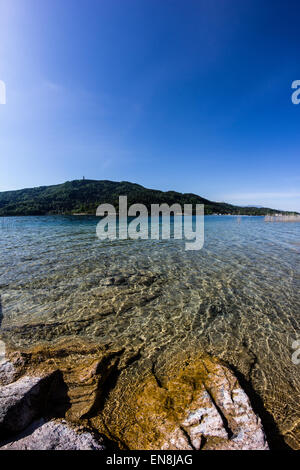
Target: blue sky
(188,95)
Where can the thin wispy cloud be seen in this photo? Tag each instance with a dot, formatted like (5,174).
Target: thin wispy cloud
(52,86)
(262,195)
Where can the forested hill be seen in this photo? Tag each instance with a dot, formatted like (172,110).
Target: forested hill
(83,196)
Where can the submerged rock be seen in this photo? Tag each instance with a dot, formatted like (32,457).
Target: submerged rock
(55,435)
(195,404)
(7,369)
(220,418)
(198,406)
(7,372)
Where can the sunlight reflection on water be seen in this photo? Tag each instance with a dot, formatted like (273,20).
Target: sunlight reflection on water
(237,298)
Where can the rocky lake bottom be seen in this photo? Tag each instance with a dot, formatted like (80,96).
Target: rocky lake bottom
(152,346)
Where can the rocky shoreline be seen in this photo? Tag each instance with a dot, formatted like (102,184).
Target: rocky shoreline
(70,396)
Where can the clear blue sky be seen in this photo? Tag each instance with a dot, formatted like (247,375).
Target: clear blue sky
(187,95)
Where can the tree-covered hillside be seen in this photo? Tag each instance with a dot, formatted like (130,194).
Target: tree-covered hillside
(83,196)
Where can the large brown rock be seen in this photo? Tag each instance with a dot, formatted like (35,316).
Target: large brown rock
(190,403)
(199,406)
(219,417)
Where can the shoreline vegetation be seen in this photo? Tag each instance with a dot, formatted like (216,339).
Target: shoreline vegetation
(82,197)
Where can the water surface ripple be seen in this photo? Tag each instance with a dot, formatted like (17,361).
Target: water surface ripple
(237,298)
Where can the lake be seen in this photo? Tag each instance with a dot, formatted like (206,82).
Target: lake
(237,298)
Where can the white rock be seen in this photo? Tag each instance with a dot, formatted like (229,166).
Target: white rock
(21,403)
(55,435)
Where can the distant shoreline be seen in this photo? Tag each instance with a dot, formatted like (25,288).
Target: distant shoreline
(117,214)
(82,197)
